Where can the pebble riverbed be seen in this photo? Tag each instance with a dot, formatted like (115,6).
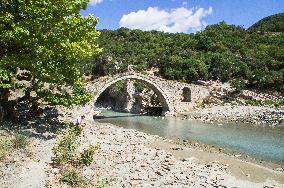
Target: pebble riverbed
(126,160)
(245,114)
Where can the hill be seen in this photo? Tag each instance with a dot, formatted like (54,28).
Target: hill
(274,23)
(220,52)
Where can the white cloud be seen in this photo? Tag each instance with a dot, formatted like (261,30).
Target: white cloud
(184,3)
(94,2)
(173,21)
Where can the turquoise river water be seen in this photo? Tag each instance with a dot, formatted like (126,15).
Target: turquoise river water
(261,142)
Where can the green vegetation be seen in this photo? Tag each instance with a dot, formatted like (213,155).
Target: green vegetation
(119,86)
(65,149)
(209,101)
(44,44)
(239,84)
(221,51)
(11,142)
(6,145)
(69,161)
(21,141)
(276,103)
(274,23)
(255,102)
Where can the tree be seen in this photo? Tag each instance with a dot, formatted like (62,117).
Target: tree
(220,51)
(41,46)
(273,23)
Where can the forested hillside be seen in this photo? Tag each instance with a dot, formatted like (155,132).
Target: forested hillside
(221,51)
(274,23)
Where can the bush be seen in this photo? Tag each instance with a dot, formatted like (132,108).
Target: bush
(72,178)
(209,101)
(239,84)
(119,86)
(20,141)
(64,150)
(86,157)
(10,142)
(276,103)
(253,102)
(70,163)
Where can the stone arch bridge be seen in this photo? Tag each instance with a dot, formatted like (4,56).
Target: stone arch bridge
(169,93)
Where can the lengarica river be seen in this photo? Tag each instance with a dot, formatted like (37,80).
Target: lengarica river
(261,142)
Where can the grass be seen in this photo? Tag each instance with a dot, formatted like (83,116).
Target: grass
(11,142)
(255,102)
(277,103)
(6,144)
(21,141)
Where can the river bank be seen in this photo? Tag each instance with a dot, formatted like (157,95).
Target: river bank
(256,115)
(131,158)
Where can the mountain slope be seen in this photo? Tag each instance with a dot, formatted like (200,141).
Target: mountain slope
(274,23)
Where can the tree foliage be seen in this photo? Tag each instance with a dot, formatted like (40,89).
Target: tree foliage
(42,44)
(221,51)
(274,23)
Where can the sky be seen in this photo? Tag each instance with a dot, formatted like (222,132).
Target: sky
(177,16)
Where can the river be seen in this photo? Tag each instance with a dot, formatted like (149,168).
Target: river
(261,142)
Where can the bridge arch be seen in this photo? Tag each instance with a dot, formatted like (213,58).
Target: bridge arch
(161,94)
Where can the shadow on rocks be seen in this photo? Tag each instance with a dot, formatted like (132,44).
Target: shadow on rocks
(44,126)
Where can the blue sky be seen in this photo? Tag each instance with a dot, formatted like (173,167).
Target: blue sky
(180,15)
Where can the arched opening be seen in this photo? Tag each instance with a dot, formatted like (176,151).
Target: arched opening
(114,97)
(159,108)
(186,94)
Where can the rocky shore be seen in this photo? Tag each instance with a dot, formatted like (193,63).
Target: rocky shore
(128,158)
(124,160)
(257,115)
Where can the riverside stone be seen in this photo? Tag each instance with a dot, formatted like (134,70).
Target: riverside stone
(127,163)
(126,160)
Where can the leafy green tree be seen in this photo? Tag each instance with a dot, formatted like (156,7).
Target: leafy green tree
(220,51)
(42,44)
(274,23)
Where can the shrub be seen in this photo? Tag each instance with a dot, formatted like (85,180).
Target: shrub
(73,178)
(65,149)
(10,142)
(20,141)
(253,102)
(276,103)
(70,163)
(86,157)
(209,101)
(239,84)
(119,86)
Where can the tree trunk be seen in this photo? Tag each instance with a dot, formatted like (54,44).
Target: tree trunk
(1,115)
(35,110)
(8,107)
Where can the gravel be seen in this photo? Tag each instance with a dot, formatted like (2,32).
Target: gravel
(245,114)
